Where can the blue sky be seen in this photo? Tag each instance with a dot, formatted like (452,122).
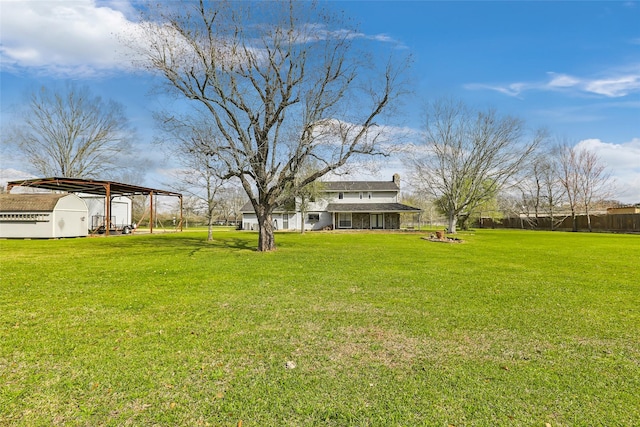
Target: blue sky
(571,67)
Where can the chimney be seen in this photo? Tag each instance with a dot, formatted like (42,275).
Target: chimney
(396,179)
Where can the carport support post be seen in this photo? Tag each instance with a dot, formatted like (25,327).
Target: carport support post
(151,212)
(107,209)
(181,218)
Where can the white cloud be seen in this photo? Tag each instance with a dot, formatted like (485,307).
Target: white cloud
(63,37)
(83,38)
(9,174)
(623,161)
(614,87)
(612,84)
(562,80)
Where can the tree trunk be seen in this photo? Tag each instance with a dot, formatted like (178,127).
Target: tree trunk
(210,232)
(210,226)
(586,210)
(266,241)
(574,221)
(302,215)
(453,219)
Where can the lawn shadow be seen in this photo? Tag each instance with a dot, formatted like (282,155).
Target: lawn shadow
(185,242)
(235,243)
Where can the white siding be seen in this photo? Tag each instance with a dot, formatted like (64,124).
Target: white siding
(70,217)
(367,197)
(250,221)
(319,208)
(67,219)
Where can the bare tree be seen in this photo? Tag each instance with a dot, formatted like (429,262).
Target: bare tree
(71,133)
(510,206)
(596,182)
(531,189)
(570,179)
(189,142)
(554,192)
(310,193)
(468,156)
(231,201)
(301,198)
(585,179)
(540,188)
(282,82)
(138,208)
(191,208)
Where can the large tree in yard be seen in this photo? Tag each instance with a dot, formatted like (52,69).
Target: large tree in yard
(282,83)
(468,156)
(69,132)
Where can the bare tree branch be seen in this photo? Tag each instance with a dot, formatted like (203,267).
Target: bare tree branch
(282,82)
(71,133)
(585,179)
(468,156)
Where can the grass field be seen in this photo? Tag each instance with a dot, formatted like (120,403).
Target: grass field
(510,328)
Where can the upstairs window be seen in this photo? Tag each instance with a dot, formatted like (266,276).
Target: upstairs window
(341,195)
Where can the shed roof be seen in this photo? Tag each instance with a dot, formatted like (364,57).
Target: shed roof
(44,202)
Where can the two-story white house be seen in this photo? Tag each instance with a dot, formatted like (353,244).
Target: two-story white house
(342,205)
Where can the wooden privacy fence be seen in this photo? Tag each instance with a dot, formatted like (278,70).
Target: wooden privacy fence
(623,223)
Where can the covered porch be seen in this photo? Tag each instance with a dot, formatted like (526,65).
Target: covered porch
(368,216)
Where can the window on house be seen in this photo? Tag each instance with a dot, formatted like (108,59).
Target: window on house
(313,217)
(340,195)
(344,220)
(361,195)
(369,194)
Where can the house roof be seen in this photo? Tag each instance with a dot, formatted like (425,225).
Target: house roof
(29,202)
(89,186)
(360,186)
(370,207)
(248,207)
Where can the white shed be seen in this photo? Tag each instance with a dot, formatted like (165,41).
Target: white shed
(42,216)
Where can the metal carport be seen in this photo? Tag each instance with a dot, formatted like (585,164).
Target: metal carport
(108,189)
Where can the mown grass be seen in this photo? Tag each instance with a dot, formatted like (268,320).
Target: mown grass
(509,328)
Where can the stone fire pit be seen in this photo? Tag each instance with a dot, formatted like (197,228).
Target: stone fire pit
(440,236)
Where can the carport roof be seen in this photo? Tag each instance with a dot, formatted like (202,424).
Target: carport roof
(89,186)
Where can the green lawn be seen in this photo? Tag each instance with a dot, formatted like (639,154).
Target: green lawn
(509,328)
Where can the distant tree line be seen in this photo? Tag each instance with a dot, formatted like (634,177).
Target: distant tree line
(556,180)
(475,163)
